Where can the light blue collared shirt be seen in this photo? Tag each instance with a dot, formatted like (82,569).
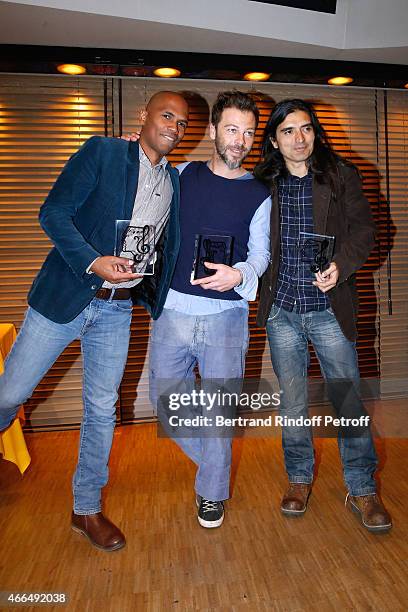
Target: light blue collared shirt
(252,268)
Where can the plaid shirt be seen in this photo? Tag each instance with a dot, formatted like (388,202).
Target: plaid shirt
(295,291)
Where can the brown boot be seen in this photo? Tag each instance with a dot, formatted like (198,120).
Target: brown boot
(294,502)
(100,531)
(372,512)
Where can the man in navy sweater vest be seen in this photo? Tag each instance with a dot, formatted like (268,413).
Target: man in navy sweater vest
(205,321)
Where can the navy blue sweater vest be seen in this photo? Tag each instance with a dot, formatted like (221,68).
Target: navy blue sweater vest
(211,204)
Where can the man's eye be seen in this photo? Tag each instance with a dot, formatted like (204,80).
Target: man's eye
(231,130)
(250,134)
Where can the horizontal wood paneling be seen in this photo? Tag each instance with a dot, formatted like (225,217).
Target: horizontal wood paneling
(43,120)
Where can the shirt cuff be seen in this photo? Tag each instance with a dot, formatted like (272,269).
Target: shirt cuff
(88,270)
(248,287)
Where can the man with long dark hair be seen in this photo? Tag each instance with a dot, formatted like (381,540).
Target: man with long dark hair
(316,195)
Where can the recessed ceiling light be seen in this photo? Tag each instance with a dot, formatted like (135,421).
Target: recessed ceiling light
(167,73)
(340,80)
(256,76)
(71,69)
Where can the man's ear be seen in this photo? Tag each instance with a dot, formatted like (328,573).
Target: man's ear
(274,143)
(143,115)
(213,131)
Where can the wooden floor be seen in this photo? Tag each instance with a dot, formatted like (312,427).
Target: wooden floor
(258,560)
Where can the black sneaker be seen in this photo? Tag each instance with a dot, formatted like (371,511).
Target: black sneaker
(210,513)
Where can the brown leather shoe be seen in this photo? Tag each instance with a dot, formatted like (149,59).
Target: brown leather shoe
(294,502)
(99,530)
(372,512)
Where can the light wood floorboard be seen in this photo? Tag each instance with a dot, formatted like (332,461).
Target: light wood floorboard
(258,560)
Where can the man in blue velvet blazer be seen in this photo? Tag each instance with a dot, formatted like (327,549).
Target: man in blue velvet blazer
(84,291)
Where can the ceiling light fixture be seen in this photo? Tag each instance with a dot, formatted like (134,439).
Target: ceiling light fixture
(340,80)
(256,76)
(167,73)
(72,69)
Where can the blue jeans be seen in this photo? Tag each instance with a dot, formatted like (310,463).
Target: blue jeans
(288,335)
(103,328)
(218,344)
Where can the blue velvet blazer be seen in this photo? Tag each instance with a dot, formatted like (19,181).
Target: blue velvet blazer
(96,187)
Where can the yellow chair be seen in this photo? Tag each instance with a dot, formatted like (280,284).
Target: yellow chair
(12,443)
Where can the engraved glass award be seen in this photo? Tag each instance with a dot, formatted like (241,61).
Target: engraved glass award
(212,248)
(316,250)
(136,242)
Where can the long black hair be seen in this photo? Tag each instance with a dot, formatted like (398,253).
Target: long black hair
(323,159)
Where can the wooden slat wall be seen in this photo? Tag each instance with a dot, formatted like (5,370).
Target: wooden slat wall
(394,229)
(55,115)
(43,120)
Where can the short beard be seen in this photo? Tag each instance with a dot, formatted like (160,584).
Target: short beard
(231,164)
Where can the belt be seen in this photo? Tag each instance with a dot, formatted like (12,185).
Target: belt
(115,294)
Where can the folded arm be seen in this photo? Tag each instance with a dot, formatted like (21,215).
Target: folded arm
(71,190)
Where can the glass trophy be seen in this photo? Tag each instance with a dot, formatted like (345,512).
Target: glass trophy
(210,248)
(316,250)
(136,242)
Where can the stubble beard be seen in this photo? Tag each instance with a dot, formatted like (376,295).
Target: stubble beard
(232,164)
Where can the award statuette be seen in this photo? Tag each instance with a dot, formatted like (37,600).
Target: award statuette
(137,243)
(213,249)
(316,250)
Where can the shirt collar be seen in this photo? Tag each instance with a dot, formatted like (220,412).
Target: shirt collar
(146,161)
(292,179)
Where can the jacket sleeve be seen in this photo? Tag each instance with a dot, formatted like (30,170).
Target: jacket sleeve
(360,227)
(71,190)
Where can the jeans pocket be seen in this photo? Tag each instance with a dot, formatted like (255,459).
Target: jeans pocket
(123,305)
(274,313)
(330,311)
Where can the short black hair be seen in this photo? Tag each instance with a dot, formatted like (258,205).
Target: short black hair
(233,99)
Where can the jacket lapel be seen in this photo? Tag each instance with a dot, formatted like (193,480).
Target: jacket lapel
(174,220)
(275,224)
(321,202)
(132,178)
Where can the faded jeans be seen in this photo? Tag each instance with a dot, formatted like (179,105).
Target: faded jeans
(217,343)
(288,335)
(103,328)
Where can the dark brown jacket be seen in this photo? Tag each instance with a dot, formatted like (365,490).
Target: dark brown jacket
(345,215)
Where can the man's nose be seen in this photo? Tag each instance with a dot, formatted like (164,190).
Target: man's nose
(173,126)
(300,136)
(239,138)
